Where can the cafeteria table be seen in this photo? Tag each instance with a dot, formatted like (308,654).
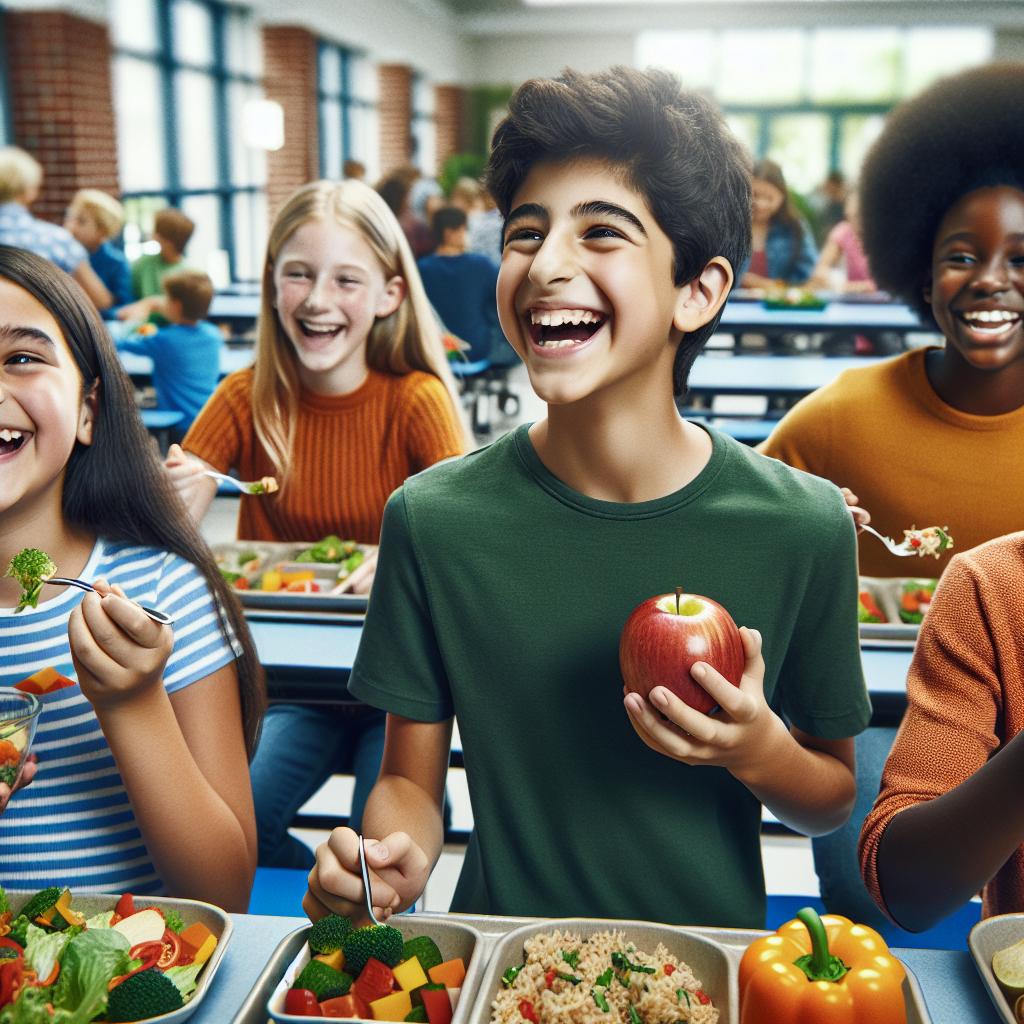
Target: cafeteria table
(842,315)
(952,988)
(232,357)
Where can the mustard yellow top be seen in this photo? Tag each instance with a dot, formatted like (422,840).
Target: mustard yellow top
(912,459)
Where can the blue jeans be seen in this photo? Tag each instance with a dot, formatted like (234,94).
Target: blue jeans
(300,748)
(835,855)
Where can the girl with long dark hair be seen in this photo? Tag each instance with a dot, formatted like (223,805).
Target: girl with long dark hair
(142,779)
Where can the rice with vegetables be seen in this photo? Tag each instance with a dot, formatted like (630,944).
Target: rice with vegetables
(603,979)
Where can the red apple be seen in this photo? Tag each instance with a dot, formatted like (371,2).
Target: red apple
(665,636)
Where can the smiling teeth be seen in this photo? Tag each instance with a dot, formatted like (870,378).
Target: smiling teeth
(992,316)
(558,317)
(10,435)
(320,328)
(559,343)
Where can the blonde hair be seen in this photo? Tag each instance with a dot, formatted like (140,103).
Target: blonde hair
(19,173)
(408,339)
(104,209)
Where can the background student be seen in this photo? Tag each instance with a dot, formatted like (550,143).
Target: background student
(171,231)
(21,177)
(94,219)
(145,729)
(185,352)
(350,394)
(934,436)
(505,577)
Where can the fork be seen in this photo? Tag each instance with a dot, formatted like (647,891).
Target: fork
(366,882)
(902,550)
(250,487)
(64,581)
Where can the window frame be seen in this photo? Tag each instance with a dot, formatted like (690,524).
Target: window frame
(344,96)
(168,64)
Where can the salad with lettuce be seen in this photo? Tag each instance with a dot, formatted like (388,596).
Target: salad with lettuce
(127,964)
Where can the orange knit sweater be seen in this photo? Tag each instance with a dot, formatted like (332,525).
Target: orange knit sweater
(351,451)
(965,700)
(912,459)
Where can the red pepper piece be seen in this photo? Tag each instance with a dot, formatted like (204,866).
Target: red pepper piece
(12,976)
(702,996)
(341,1006)
(669,968)
(301,1002)
(437,1004)
(526,1011)
(125,906)
(549,978)
(375,980)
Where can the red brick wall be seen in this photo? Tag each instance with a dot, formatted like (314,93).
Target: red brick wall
(290,78)
(394,109)
(450,120)
(62,103)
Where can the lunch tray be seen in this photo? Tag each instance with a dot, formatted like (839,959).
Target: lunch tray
(493,930)
(279,553)
(986,939)
(191,911)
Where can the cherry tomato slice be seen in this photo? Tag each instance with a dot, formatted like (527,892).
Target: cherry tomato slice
(171,950)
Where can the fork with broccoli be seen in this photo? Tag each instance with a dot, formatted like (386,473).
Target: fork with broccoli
(31,568)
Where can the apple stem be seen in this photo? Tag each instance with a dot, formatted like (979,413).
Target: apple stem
(679,592)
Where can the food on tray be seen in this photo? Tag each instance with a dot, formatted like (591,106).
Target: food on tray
(666,635)
(1008,968)
(932,540)
(350,564)
(867,608)
(126,964)
(373,972)
(915,599)
(31,568)
(602,979)
(330,549)
(793,298)
(821,968)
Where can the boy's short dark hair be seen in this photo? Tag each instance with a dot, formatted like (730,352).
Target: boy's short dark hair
(193,289)
(672,145)
(448,218)
(961,134)
(174,226)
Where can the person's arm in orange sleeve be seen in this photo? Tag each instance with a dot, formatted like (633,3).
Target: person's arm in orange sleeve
(948,815)
(432,429)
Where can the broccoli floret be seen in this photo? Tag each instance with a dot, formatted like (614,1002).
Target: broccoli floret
(30,567)
(41,902)
(327,934)
(146,994)
(174,921)
(19,930)
(322,980)
(380,941)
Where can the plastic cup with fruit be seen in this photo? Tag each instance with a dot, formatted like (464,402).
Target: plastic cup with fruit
(19,713)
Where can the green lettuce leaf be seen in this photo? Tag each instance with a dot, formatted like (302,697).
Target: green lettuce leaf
(100,920)
(43,950)
(185,978)
(90,960)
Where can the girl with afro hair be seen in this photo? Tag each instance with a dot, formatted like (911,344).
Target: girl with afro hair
(936,436)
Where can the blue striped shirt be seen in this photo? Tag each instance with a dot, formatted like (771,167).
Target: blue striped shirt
(74,825)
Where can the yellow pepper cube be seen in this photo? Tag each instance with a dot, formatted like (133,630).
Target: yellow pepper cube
(410,975)
(393,1007)
(335,959)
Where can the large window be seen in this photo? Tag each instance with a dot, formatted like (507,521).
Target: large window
(347,91)
(814,100)
(186,74)
(424,128)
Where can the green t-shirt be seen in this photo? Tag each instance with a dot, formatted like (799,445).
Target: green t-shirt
(500,596)
(148,273)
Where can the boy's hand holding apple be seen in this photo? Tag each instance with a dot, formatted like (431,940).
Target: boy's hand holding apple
(744,729)
(398,869)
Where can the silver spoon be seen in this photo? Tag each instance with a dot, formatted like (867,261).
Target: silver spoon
(63,581)
(366,882)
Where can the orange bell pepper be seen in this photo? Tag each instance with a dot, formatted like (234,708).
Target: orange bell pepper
(821,970)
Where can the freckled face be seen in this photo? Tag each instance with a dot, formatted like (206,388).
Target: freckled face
(977,289)
(42,414)
(585,292)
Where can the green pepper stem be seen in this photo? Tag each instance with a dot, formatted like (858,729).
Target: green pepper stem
(819,964)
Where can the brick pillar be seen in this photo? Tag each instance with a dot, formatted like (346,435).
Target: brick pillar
(394,110)
(62,103)
(290,78)
(449,120)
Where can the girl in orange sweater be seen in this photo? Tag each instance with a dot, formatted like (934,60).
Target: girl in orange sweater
(350,393)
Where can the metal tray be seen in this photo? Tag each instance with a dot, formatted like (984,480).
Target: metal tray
(987,937)
(453,936)
(191,911)
(273,554)
(492,930)
(709,959)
